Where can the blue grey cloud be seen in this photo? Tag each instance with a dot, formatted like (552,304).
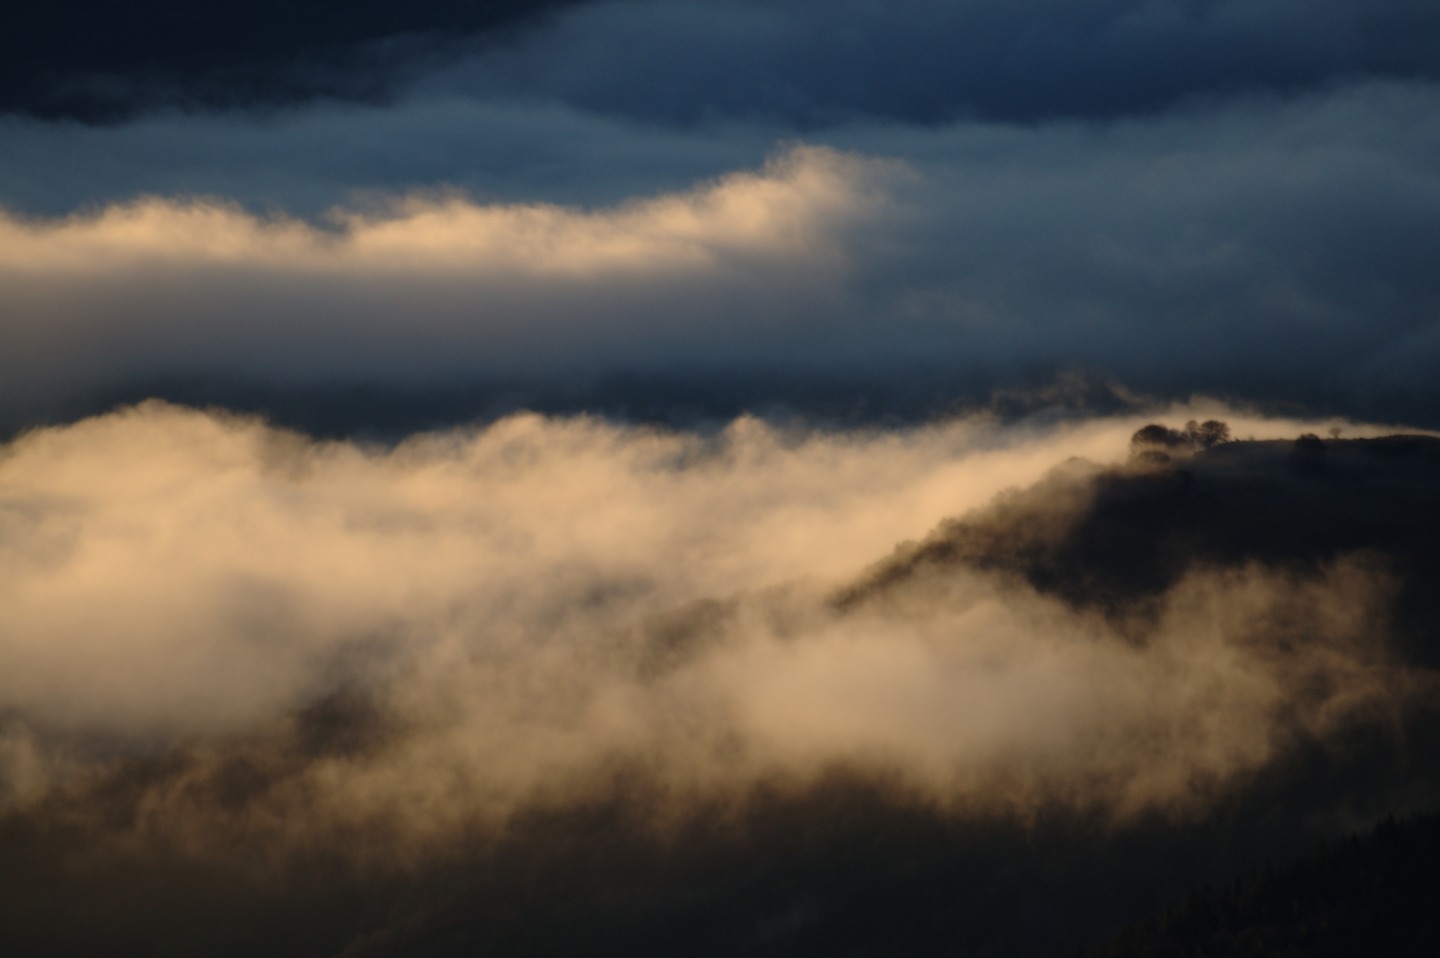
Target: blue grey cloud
(1270,247)
(1216,197)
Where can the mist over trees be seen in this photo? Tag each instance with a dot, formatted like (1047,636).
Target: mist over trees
(1229,679)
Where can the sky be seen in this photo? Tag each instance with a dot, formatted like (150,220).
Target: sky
(663,469)
(1232,199)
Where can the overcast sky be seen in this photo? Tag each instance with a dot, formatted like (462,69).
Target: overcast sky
(1218,197)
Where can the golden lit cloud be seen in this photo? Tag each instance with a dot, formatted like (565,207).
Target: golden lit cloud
(440,286)
(787,209)
(529,601)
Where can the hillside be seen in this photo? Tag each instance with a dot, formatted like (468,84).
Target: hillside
(1370,894)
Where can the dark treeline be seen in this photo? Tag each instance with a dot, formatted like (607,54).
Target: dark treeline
(1371,894)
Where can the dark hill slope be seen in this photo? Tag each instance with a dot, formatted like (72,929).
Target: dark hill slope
(1113,539)
(1371,895)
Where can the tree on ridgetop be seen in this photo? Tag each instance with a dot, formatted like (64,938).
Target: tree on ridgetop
(1156,436)
(1210,433)
(1157,440)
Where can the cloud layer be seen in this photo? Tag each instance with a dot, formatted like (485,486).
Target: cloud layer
(1269,249)
(557,680)
(1217,197)
(514,603)
(804,61)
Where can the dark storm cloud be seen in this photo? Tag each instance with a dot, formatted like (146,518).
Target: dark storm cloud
(98,60)
(813,62)
(808,61)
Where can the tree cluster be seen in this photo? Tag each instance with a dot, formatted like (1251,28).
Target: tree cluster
(1195,436)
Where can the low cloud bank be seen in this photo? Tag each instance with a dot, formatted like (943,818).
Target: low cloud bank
(552,681)
(517,608)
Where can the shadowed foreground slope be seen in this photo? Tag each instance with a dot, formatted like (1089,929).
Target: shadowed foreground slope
(1372,894)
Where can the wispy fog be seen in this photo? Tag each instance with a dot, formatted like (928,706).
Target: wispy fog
(512,611)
